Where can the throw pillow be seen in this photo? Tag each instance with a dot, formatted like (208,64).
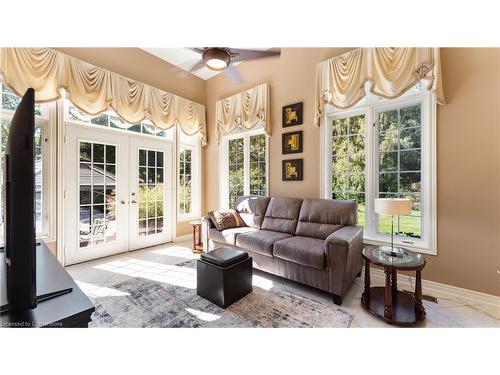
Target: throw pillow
(225,219)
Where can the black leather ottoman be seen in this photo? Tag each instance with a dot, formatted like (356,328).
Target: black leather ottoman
(224,275)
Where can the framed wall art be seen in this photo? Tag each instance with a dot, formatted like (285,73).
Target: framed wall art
(291,115)
(292,170)
(291,143)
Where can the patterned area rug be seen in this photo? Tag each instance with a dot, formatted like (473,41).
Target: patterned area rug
(148,303)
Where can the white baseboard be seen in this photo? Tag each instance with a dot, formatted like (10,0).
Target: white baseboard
(437,289)
(183,238)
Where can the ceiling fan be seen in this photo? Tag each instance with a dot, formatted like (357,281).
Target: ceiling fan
(223,59)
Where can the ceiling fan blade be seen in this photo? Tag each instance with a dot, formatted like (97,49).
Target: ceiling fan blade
(233,74)
(248,54)
(199,64)
(187,67)
(197,49)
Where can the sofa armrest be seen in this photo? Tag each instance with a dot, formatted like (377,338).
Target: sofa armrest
(344,236)
(343,251)
(206,225)
(208,221)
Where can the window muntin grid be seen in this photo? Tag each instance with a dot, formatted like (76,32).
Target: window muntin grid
(151,172)
(185,181)
(97,193)
(110,119)
(258,175)
(399,166)
(236,170)
(348,161)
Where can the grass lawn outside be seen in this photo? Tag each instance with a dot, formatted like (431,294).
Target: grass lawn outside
(409,225)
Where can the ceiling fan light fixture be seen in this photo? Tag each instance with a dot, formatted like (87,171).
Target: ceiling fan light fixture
(216,64)
(216,58)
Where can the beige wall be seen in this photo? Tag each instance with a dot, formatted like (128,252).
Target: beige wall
(468,166)
(292,79)
(468,153)
(141,66)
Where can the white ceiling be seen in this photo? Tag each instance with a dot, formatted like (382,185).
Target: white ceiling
(184,58)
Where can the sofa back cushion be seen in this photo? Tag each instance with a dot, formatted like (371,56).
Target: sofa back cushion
(282,215)
(319,218)
(252,209)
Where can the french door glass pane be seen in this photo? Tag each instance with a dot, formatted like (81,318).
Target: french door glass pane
(258,165)
(97,192)
(150,173)
(348,161)
(236,170)
(399,167)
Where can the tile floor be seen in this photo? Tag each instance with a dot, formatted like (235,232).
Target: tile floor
(157,263)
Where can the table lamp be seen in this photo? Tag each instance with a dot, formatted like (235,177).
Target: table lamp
(393,206)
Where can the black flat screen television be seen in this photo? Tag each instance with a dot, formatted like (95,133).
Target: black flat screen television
(19,212)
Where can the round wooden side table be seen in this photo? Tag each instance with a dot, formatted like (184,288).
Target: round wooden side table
(197,245)
(389,303)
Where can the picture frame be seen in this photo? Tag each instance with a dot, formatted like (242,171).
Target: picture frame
(291,143)
(292,115)
(292,170)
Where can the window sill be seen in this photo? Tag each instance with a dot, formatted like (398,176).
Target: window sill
(187,217)
(413,247)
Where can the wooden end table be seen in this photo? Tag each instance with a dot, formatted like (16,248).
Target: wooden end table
(389,303)
(197,244)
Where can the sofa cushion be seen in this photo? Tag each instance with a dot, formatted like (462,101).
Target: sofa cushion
(282,215)
(319,218)
(228,236)
(305,251)
(260,241)
(252,209)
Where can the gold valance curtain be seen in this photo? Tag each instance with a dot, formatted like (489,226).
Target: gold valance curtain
(93,89)
(340,81)
(248,109)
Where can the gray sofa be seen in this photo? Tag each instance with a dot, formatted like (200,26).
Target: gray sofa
(312,241)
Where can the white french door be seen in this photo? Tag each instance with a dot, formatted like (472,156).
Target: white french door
(150,192)
(117,193)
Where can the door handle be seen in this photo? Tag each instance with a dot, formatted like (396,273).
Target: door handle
(122,202)
(134,202)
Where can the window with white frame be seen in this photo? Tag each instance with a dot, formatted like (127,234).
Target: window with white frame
(8,104)
(189,174)
(385,148)
(243,171)
(110,119)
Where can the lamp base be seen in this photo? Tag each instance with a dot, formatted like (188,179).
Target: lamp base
(397,252)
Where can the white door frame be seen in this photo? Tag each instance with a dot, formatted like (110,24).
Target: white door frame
(127,142)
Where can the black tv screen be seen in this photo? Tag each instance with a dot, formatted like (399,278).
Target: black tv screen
(19,213)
